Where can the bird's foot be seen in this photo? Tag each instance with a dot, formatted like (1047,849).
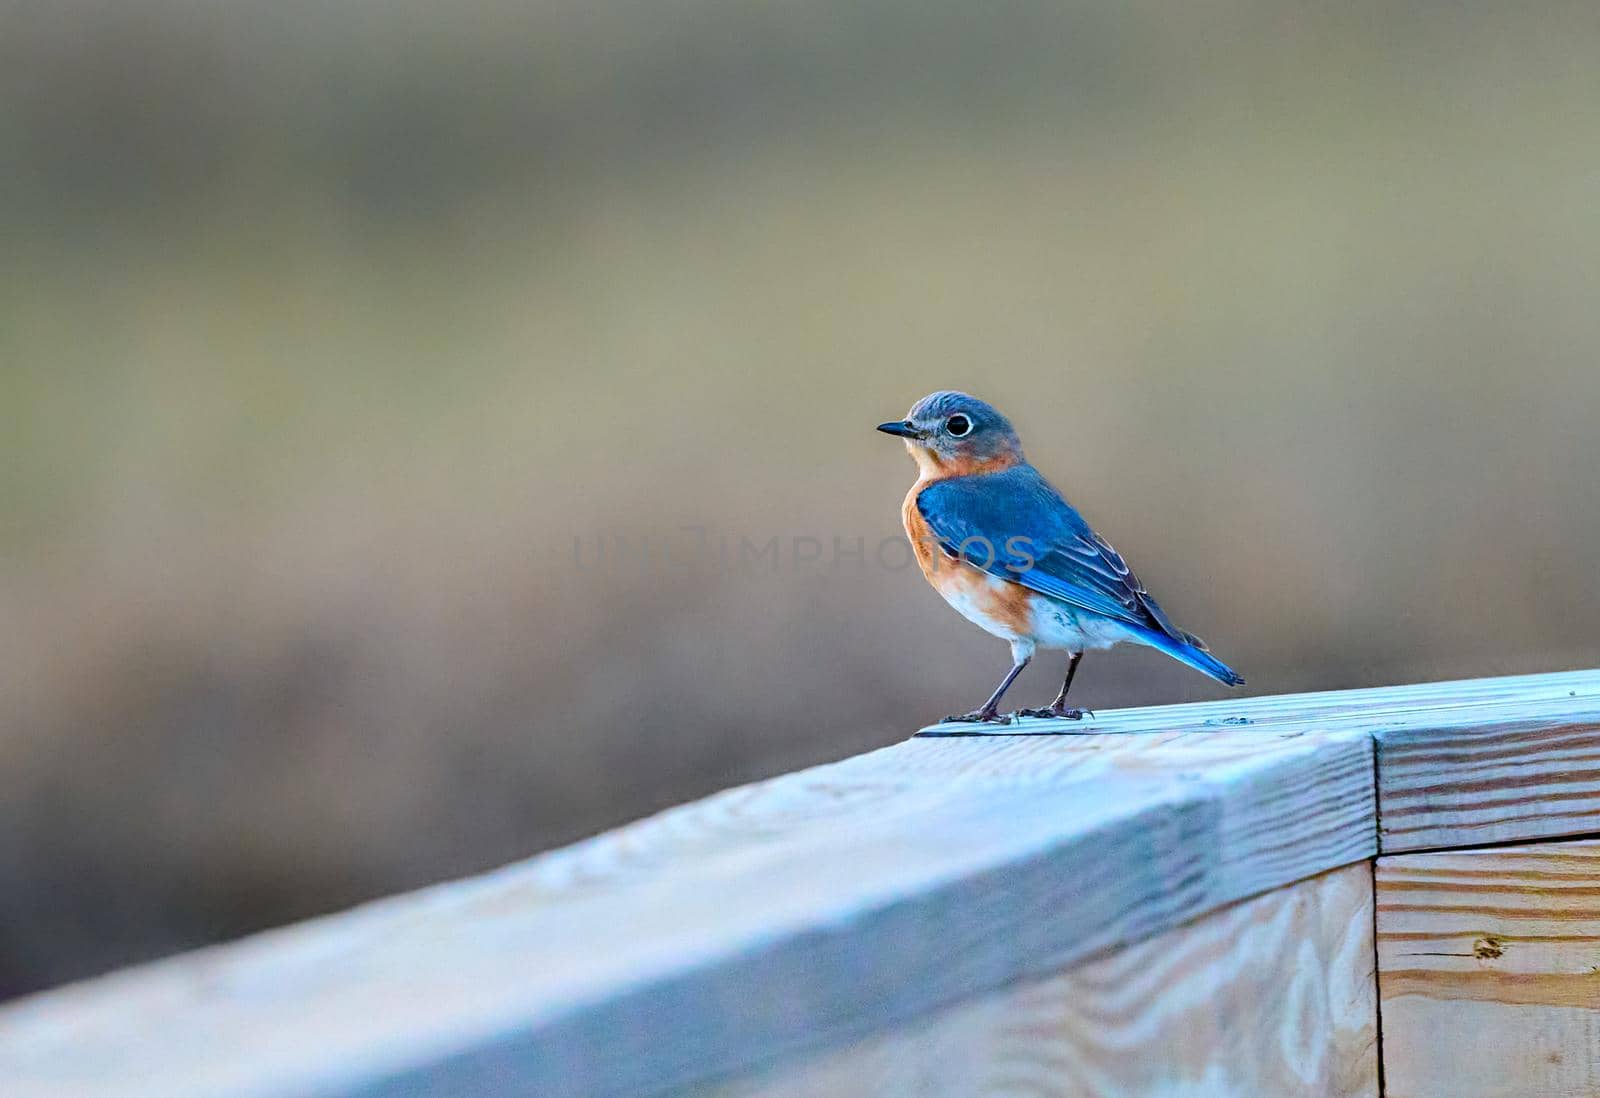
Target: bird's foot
(979,716)
(1059,713)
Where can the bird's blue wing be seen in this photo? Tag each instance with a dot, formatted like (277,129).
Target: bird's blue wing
(1013,524)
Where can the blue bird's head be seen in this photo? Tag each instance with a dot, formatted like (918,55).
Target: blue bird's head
(952,434)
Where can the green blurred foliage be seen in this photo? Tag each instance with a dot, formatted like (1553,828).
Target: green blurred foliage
(326,329)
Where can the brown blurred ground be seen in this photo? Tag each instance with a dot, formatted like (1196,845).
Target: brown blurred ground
(326,329)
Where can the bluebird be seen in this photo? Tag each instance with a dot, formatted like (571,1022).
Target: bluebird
(1001,545)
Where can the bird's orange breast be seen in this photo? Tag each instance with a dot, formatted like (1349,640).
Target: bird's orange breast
(998,605)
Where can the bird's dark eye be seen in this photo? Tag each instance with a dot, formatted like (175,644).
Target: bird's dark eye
(958,425)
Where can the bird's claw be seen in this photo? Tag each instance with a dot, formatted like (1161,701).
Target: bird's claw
(1065,713)
(978,716)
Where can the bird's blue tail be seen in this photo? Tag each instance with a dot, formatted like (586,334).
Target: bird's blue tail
(1192,651)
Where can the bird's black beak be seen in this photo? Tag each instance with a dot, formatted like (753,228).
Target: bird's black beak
(900,427)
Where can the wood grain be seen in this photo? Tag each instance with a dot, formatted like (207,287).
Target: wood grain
(1272,996)
(794,914)
(1416,707)
(1527,772)
(782,918)
(1459,764)
(1489,971)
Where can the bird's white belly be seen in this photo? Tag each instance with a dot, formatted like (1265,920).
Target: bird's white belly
(1056,625)
(1026,618)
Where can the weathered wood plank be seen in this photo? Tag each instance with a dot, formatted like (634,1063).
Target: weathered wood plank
(788,916)
(1510,773)
(1271,996)
(798,913)
(1489,971)
(1459,764)
(1416,708)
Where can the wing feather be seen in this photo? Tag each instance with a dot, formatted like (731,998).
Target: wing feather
(1013,524)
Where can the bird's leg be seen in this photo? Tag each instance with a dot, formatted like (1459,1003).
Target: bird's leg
(990,712)
(1059,708)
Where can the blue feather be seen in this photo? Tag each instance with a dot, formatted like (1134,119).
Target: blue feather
(1192,652)
(1015,525)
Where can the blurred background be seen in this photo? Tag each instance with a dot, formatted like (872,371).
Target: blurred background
(337,340)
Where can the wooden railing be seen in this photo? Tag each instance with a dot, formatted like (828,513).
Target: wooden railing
(1176,900)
